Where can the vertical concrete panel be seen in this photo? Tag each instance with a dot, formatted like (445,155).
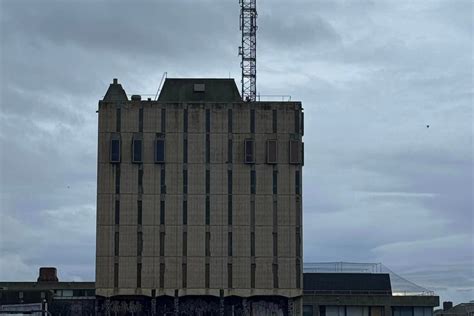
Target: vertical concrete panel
(196,148)
(105,209)
(196,179)
(148,243)
(173,210)
(150,118)
(106,178)
(286,120)
(218,152)
(218,248)
(174,119)
(196,273)
(241,113)
(105,234)
(149,148)
(148,273)
(264,210)
(128,209)
(238,148)
(284,274)
(128,241)
(130,119)
(150,216)
(241,210)
(283,149)
(196,215)
(283,211)
(264,179)
(241,179)
(241,273)
(284,178)
(127,272)
(196,118)
(196,241)
(173,241)
(217,274)
(241,241)
(284,241)
(263,273)
(219,119)
(104,275)
(264,241)
(218,179)
(172,273)
(174,178)
(218,210)
(128,178)
(157,178)
(263,119)
(149,179)
(103,155)
(173,148)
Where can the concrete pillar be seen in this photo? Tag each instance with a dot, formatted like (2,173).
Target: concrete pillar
(387,310)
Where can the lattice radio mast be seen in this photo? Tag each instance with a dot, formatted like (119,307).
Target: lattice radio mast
(248,50)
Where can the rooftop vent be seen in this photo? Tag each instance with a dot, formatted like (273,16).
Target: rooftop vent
(47,274)
(199,87)
(136,97)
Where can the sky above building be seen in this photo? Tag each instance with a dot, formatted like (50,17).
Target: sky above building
(387,89)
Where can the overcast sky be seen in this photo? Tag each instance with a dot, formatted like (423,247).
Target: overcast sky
(379,185)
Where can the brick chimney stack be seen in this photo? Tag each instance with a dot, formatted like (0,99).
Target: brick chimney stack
(47,274)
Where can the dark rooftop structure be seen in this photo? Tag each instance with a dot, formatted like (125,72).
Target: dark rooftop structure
(199,90)
(376,283)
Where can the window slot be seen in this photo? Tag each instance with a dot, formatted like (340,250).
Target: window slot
(139,275)
(163,180)
(229,210)
(162,212)
(208,274)
(208,121)
(116,243)
(252,121)
(117,212)
(184,272)
(185,212)
(140,120)
(249,151)
(116,275)
(229,275)
(272,151)
(163,120)
(139,212)
(162,244)
(185,121)
(229,244)
(253,182)
(297,122)
(274,121)
(117,179)
(118,120)
(275,182)
(253,267)
(229,120)
(115,149)
(229,151)
(208,210)
(208,244)
(160,150)
(162,275)
(185,181)
(139,243)
(275,275)
(185,244)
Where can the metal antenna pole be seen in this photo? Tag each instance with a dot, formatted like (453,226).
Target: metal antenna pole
(248,50)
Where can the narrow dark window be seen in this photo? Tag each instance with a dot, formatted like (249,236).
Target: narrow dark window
(208,273)
(140,120)
(208,210)
(117,212)
(229,275)
(137,150)
(139,243)
(116,243)
(163,180)
(185,244)
(253,182)
(298,243)
(118,120)
(229,151)
(162,275)
(117,179)
(275,213)
(139,275)
(295,152)
(162,212)
(252,121)
(274,121)
(298,274)
(160,150)
(249,151)
(229,120)
(116,275)
(208,149)
(275,275)
(252,244)
(275,181)
(115,150)
(229,244)
(229,210)
(252,213)
(208,244)
(140,179)
(185,121)
(185,151)
(302,153)
(139,212)
(185,212)
(272,151)
(297,122)
(229,181)
(253,267)
(302,123)
(184,273)
(297,182)
(163,120)
(185,181)
(162,244)
(208,181)
(208,120)
(275,244)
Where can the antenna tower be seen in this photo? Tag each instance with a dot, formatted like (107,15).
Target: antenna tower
(248,50)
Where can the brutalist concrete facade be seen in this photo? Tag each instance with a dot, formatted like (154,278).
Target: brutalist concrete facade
(200,198)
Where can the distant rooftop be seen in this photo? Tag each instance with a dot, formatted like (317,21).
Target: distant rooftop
(354,283)
(199,90)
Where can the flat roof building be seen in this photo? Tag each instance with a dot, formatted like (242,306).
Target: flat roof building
(199,200)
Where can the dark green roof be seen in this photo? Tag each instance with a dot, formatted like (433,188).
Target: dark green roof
(185,90)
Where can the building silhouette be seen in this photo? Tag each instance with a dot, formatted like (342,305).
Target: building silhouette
(199,201)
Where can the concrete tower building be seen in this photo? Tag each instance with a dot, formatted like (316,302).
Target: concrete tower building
(199,202)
